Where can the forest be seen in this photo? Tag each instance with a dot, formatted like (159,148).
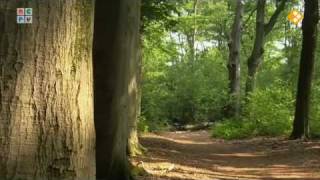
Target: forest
(160,90)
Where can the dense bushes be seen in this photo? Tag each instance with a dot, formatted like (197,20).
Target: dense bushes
(268,112)
(177,91)
(315,111)
(184,96)
(185,76)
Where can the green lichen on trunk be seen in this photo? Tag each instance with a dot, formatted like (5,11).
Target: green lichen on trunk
(46,103)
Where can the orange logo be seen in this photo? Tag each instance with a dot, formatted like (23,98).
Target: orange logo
(295,17)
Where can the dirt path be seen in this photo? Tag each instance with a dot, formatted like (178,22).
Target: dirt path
(195,156)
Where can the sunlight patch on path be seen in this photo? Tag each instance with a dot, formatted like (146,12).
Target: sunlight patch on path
(195,156)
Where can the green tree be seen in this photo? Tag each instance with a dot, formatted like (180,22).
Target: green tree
(262,30)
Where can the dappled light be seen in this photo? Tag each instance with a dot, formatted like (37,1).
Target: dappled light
(230,90)
(171,156)
(159,89)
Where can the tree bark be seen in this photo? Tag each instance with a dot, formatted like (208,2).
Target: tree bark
(309,28)
(134,147)
(255,57)
(46,91)
(233,109)
(191,37)
(262,30)
(115,41)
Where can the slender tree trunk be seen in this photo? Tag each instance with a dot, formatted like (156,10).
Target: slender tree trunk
(115,45)
(46,91)
(309,28)
(256,54)
(262,30)
(191,38)
(234,62)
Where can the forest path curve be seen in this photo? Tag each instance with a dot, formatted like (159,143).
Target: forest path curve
(195,156)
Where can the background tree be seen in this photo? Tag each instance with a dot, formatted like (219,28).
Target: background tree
(175,95)
(151,11)
(234,62)
(46,96)
(114,55)
(158,11)
(173,91)
(262,30)
(307,60)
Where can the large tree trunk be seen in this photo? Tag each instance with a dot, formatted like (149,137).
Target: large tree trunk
(115,45)
(262,30)
(134,147)
(309,28)
(46,97)
(233,108)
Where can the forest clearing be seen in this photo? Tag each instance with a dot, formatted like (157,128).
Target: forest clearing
(186,155)
(159,89)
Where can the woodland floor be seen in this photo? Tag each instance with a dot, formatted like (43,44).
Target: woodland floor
(196,156)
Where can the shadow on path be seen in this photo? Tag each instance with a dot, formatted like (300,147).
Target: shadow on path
(195,156)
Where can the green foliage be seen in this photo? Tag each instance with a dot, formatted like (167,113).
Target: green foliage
(179,93)
(143,125)
(185,76)
(315,99)
(158,11)
(269,112)
(233,129)
(177,87)
(315,111)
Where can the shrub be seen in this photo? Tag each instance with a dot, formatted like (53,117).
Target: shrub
(271,110)
(268,112)
(232,129)
(315,111)
(145,125)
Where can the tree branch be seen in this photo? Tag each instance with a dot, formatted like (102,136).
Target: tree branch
(268,27)
(248,19)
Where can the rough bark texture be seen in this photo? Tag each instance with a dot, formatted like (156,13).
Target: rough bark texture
(309,28)
(46,100)
(134,147)
(262,30)
(115,41)
(234,62)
